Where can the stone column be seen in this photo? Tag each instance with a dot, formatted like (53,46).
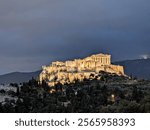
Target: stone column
(109,60)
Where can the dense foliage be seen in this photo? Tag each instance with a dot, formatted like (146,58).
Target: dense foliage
(110,94)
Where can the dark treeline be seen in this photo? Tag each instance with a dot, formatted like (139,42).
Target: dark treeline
(110,94)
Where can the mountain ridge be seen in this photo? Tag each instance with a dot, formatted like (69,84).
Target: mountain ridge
(18,77)
(139,68)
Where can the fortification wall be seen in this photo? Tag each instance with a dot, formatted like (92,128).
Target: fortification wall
(78,69)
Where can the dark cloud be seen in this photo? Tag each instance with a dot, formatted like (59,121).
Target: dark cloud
(36,32)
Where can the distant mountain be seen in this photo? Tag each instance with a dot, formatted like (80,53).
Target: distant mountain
(18,77)
(139,68)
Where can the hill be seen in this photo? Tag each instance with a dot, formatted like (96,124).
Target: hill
(18,77)
(107,93)
(139,68)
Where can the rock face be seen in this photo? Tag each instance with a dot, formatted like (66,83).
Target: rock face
(78,69)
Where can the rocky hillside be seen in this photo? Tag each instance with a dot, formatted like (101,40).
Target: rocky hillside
(108,93)
(139,68)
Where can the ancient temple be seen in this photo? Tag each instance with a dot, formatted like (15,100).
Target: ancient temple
(78,69)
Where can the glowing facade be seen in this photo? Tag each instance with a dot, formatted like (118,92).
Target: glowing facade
(78,69)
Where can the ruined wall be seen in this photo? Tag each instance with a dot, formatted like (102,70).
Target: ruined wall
(78,69)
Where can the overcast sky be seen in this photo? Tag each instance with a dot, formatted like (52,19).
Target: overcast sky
(36,32)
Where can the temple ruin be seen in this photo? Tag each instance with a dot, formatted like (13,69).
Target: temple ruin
(78,69)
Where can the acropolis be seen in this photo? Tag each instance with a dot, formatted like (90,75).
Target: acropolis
(78,69)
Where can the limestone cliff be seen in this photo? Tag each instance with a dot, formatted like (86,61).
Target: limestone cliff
(78,69)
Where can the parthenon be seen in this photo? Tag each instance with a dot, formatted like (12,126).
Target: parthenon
(78,69)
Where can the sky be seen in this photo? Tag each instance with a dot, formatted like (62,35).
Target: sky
(34,33)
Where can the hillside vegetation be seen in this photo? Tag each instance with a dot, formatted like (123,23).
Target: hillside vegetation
(104,94)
